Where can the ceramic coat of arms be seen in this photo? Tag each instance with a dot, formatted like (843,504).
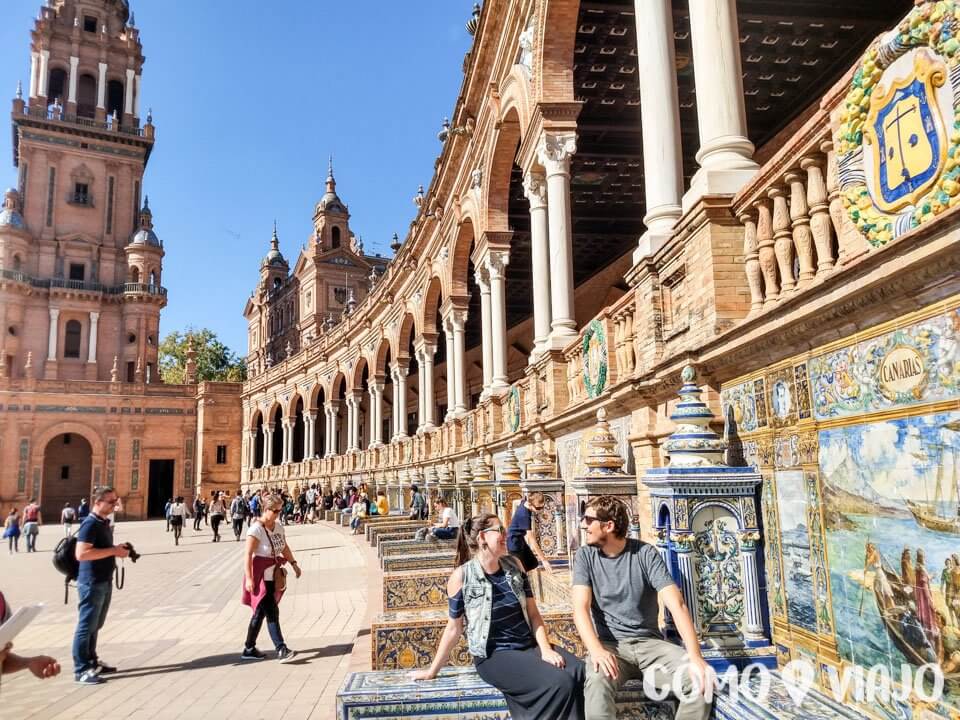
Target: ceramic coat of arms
(898,139)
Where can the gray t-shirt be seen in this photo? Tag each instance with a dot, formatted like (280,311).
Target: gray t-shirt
(624,589)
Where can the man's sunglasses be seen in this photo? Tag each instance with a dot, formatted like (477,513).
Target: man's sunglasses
(498,528)
(589,519)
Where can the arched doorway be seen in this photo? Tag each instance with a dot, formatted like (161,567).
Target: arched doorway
(67,473)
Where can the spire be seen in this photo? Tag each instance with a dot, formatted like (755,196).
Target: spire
(19,90)
(146,216)
(331,182)
(274,241)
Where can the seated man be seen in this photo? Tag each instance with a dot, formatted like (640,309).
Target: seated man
(616,586)
(446,529)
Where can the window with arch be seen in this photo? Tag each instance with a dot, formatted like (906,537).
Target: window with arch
(134,274)
(335,241)
(87,96)
(71,339)
(115,97)
(153,278)
(276,283)
(57,85)
(17,263)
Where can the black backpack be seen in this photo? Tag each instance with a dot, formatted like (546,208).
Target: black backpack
(65,560)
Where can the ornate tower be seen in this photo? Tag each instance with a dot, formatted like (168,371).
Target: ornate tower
(85,287)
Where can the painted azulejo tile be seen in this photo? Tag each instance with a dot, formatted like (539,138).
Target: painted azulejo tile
(415,590)
(740,408)
(425,561)
(916,364)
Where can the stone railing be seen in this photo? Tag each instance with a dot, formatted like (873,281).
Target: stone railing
(60,115)
(795,228)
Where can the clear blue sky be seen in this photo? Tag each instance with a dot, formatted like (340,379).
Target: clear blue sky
(249,98)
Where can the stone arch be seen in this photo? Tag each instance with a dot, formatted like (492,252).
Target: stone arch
(255,417)
(40,442)
(357,374)
(502,159)
(553,50)
(515,96)
(338,386)
(457,281)
(39,447)
(432,299)
(380,358)
(291,408)
(275,452)
(407,329)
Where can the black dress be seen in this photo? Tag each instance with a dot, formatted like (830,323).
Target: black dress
(533,689)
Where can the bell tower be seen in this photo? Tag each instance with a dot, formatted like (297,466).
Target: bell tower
(87,291)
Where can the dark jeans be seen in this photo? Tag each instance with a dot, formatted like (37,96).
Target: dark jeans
(269,610)
(238,527)
(29,531)
(215,524)
(196,521)
(94,601)
(447,533)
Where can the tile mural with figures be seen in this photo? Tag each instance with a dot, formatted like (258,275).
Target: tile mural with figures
(795,548)
(892,523)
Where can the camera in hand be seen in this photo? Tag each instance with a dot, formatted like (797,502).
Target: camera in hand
(134,555)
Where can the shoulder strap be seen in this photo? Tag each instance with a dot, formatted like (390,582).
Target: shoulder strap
(273,548)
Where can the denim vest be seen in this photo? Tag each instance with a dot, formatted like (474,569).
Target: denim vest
(478,600)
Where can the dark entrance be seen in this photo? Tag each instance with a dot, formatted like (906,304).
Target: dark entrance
(161,487)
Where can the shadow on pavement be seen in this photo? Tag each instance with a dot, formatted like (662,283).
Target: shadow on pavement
(231,659)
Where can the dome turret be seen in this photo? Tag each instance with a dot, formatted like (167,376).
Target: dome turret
(331,202)
(274,257)
(145,235)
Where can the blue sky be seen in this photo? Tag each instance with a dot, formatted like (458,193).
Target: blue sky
(249,98)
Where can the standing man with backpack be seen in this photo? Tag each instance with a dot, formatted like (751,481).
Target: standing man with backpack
(238,511)
(96,555)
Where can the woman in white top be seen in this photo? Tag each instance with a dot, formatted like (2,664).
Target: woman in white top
(218,510)
(266,544)
(178,515)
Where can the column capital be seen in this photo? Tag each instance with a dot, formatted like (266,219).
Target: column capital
(398,370)
(482,277)
(94,315)
(556,150)
(535,188)
(496,262)
(54,312)
(425,347)
(375,386)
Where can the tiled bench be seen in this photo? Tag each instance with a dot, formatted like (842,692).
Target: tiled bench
(393,548)
(415,590)
(408,639)
(438,560)
(388,536)
(372,532)
(458,693)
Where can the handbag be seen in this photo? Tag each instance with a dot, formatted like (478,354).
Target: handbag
(279,572)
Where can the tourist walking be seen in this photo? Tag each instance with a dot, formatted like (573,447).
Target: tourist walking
(197,512)
(218,510)
(178,518)
(446,529)
(83,509)
(265,579)
(238,511)
(505,631)
(67,516)
(522,536)
(11,531)
(619,584)
(31,524)
(97,556)
(166,512)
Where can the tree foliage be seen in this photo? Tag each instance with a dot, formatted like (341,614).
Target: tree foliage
(215,361)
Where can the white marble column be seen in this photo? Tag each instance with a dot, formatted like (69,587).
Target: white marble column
(74,64)
(128,92)
(353,434)
(327,426)
(34,73)
(375,389)
(92,341)
(497,262)
(44,74)
(251,449)
(451,367)
(725,155)
(309,436)
(483,282)
(268,444)
(458,320)
(428,421)
(660,123)
(421,384)
(535,188)
(334,426)
(285,452)
(102,87)
(555,153)
(52,339)
(400,371)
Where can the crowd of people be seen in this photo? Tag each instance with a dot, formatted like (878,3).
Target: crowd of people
(27,523)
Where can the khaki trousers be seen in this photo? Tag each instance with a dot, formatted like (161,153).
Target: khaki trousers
(636,658)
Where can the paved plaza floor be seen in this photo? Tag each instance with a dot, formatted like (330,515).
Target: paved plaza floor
(177,628)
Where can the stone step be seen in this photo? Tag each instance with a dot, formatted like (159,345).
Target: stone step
(375,531)
(407,639)
(437,560)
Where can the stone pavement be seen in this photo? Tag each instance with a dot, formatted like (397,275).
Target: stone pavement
(177,628)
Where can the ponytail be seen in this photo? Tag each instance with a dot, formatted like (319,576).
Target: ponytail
(467,539)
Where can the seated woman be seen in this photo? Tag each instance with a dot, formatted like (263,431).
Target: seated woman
(505,632)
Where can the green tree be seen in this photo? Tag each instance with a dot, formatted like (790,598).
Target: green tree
(215,361)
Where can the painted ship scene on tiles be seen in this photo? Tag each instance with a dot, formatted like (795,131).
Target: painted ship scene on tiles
(891,513)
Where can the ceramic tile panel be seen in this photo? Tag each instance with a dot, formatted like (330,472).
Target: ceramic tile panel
(415,589)
(425,561)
